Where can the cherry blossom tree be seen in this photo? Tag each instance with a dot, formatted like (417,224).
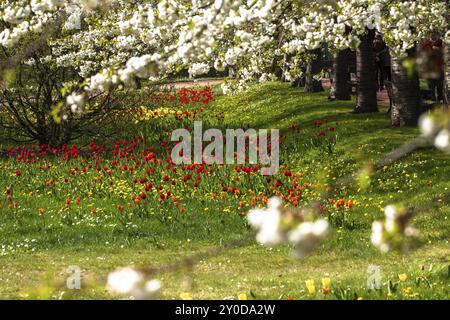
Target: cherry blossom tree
(86,47)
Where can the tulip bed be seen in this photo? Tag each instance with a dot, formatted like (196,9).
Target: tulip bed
(111,202)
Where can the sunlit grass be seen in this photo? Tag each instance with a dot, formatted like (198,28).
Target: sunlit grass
(99,245)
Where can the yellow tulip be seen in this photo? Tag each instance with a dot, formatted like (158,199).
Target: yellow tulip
(242,296)
(402,277)
(326,285)
(310,286)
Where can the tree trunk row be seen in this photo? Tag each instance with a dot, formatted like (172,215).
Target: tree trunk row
(406,97)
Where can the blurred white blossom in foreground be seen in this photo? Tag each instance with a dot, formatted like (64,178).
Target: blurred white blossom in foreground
(76,102)
(277,226)
(394,233)
(131,283)
(442,140)
(267,222)
(437,129)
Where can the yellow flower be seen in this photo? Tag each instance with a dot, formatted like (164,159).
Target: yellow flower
(242,296)
(326,285)
(402,277)
(310,286)
(408,291)
(185,296)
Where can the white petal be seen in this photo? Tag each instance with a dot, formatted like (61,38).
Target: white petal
(442,140)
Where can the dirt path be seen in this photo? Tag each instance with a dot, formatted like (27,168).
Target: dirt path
(193,83)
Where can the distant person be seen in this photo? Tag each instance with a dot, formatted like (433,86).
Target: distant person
(434,66)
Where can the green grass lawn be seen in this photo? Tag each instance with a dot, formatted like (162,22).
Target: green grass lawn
(36,249)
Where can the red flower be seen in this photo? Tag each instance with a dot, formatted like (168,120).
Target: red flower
(144,180)
(18,173)
(143,196)
(278,183)
(320,133)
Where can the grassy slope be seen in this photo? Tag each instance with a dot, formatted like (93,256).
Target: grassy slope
(344,257)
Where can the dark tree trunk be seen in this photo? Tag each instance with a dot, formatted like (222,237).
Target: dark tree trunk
(447,74)
(277,70)
(298,82)
(341,76)
(309,80)
(312,85)
(365,69)
(406,90)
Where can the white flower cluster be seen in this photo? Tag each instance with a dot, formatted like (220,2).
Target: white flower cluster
(27,17)
(198,68)
(313,29)
(73,21)
(437,129)
(361,14)
(394,233)
(16,14)
(131,40)
(408,22)
(131,283)
(135,67)
(75,102)
(275,228)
